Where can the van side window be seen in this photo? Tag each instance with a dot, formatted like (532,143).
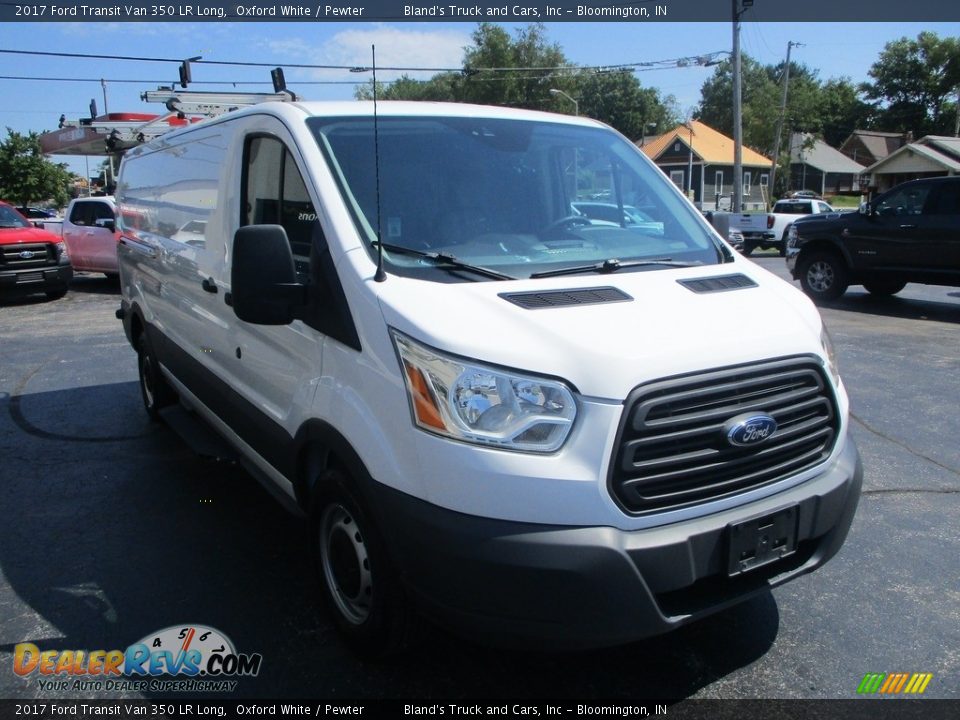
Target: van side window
(277,195)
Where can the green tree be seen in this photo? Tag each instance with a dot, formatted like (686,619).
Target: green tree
(521,70)
(619,100)
(26,176)
(914,84)
(760,96)
(842,111)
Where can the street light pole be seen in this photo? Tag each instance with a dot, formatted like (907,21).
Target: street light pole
(576,105)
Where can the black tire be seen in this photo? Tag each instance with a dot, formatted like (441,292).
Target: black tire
(748,248)
(783,241)
(154,391)
(56,294)
(884,287)
(823,276)
(360,586)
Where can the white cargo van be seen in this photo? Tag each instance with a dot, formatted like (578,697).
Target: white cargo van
(528,424)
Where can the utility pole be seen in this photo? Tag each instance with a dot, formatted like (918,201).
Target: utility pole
(109,176)
(783,114)
(736,204)
(956,123)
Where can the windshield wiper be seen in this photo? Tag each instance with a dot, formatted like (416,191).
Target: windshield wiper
(445,260)
(612,265)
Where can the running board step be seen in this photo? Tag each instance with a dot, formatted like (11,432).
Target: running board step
(199,436)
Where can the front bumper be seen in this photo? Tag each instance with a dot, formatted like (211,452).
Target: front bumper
(575,587)
(35,280)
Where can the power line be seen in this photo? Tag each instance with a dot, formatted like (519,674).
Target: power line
(192,82)
(705,59)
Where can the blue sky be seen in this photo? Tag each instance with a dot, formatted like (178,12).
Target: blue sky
(834,49)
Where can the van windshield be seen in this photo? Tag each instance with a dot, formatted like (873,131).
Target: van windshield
(520,197)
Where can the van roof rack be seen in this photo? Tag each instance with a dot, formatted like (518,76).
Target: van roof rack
(114,133)
(210,104)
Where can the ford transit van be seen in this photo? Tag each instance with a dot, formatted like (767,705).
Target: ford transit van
(499,412)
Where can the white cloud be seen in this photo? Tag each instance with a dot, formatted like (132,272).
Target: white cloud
(395,47)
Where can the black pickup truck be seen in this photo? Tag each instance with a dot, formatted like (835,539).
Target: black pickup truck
(908,234)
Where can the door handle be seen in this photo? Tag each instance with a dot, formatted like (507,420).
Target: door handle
(907,227)
(209,285)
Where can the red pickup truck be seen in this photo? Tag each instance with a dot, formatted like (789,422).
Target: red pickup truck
(31,260)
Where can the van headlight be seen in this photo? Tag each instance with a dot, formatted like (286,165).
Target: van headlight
(480,404)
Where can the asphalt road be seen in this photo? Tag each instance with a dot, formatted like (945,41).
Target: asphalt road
(111,529)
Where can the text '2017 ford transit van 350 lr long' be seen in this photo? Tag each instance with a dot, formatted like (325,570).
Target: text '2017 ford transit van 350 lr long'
(533,423)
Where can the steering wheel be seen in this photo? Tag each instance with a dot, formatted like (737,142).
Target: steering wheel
(567,222)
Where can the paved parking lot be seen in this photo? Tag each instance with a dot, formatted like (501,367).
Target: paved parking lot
(110,529)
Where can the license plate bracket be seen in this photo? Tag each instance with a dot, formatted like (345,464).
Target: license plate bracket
(761,540)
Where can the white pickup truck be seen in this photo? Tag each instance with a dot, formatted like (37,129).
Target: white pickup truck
(769,230)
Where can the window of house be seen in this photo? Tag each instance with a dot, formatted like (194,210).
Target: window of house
(718,181)
(677,177)
(746,183)
(764,179)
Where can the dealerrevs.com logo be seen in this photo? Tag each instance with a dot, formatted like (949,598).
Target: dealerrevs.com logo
(180,658)
(899,683)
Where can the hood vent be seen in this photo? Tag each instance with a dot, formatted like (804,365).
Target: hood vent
(566,298)
(721,283)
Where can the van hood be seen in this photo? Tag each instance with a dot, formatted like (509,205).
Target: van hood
(606,349)
(11,236)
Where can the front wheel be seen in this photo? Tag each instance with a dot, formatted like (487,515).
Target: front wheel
(154,390)
(823,276)
(361,588)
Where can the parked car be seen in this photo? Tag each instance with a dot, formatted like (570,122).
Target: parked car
(735,238)
(909,234)
(31,260)
(35,213)
(625,216)
(90,234)
(542,428)
(769,230)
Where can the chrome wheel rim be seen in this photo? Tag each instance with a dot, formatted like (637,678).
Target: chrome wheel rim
(820,276)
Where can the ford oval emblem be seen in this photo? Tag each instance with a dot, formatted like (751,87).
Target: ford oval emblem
(26,254)
(749,429)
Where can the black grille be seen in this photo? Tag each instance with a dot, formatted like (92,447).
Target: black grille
(672,450)
(565,298)
(718,284)
(27,255)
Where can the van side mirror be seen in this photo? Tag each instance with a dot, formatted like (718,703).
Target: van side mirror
(108,223)
(263,279)
(866,209)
